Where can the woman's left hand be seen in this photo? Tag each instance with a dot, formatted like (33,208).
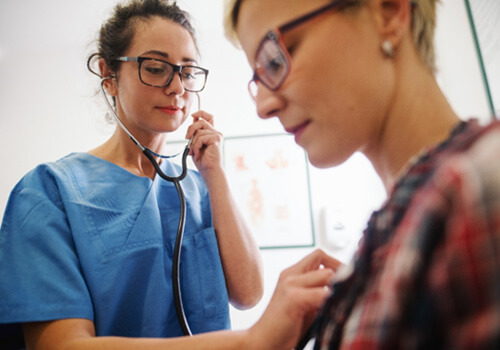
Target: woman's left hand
(206,144)
(238,250)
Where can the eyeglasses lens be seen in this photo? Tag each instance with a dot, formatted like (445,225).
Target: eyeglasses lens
(155,73)
(271,65)
(158,73)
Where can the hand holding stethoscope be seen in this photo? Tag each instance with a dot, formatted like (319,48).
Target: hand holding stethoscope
(206,141)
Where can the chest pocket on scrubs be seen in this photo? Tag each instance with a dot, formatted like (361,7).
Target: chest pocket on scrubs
(202,276)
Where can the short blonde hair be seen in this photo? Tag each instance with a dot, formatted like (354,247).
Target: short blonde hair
(231,11)
(422,27)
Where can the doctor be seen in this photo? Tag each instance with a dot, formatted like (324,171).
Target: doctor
(86,243)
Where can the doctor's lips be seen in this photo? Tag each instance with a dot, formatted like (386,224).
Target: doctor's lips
(172,110)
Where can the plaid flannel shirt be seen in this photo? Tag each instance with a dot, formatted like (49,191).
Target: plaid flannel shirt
(427,274)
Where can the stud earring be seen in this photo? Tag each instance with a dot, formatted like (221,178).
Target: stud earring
(388,48)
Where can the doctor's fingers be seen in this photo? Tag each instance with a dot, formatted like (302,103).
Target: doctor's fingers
(318,259)
(207,137)
(307,301)
(289,313)
(296,305)
(197,125)
(207,140)
(202,115)
(312,279)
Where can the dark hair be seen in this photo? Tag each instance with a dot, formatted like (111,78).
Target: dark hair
(116,34)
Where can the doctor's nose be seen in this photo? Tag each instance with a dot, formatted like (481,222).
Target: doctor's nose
(176,85)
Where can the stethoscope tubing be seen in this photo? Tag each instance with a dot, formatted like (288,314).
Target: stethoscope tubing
(176,285)
(176,260)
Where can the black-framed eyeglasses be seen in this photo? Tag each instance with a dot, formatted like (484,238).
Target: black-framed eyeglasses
(272,60)
(159,73)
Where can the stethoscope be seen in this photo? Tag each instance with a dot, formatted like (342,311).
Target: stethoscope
(179,308)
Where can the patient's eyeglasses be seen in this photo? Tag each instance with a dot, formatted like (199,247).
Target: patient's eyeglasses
(159,73)
(272,60)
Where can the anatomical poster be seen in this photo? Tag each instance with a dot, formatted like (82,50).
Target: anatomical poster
(268,176)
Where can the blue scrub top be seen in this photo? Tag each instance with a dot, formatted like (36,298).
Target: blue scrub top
(85,238)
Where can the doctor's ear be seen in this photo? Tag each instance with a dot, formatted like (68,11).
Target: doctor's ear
(109,84)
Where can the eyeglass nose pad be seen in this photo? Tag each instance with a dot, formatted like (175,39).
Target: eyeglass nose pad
(253,89)
(171,78)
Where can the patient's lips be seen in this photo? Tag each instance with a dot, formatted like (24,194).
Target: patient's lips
(297,130)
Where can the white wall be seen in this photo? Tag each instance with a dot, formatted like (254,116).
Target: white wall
(48,105)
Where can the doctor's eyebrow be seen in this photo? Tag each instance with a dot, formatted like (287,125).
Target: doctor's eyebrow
(166,56)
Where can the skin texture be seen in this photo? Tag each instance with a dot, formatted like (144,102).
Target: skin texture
(139,106)
(343,94)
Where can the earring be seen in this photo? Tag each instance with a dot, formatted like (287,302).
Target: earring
(388,48)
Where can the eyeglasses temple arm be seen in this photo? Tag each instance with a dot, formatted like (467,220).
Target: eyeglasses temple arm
(297,21)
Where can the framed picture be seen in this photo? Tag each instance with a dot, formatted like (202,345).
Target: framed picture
(484,17)
(269,179)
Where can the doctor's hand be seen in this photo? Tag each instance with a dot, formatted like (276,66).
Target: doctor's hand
(301,290)
(206,143)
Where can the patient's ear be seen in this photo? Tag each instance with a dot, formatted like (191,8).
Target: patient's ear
(109,84)
(393,18)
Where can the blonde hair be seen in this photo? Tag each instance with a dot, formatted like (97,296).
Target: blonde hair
(231,10)
(423,25)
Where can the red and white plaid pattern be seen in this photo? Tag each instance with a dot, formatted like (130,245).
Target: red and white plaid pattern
(427,275)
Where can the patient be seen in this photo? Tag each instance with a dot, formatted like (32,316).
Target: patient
(358,75)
